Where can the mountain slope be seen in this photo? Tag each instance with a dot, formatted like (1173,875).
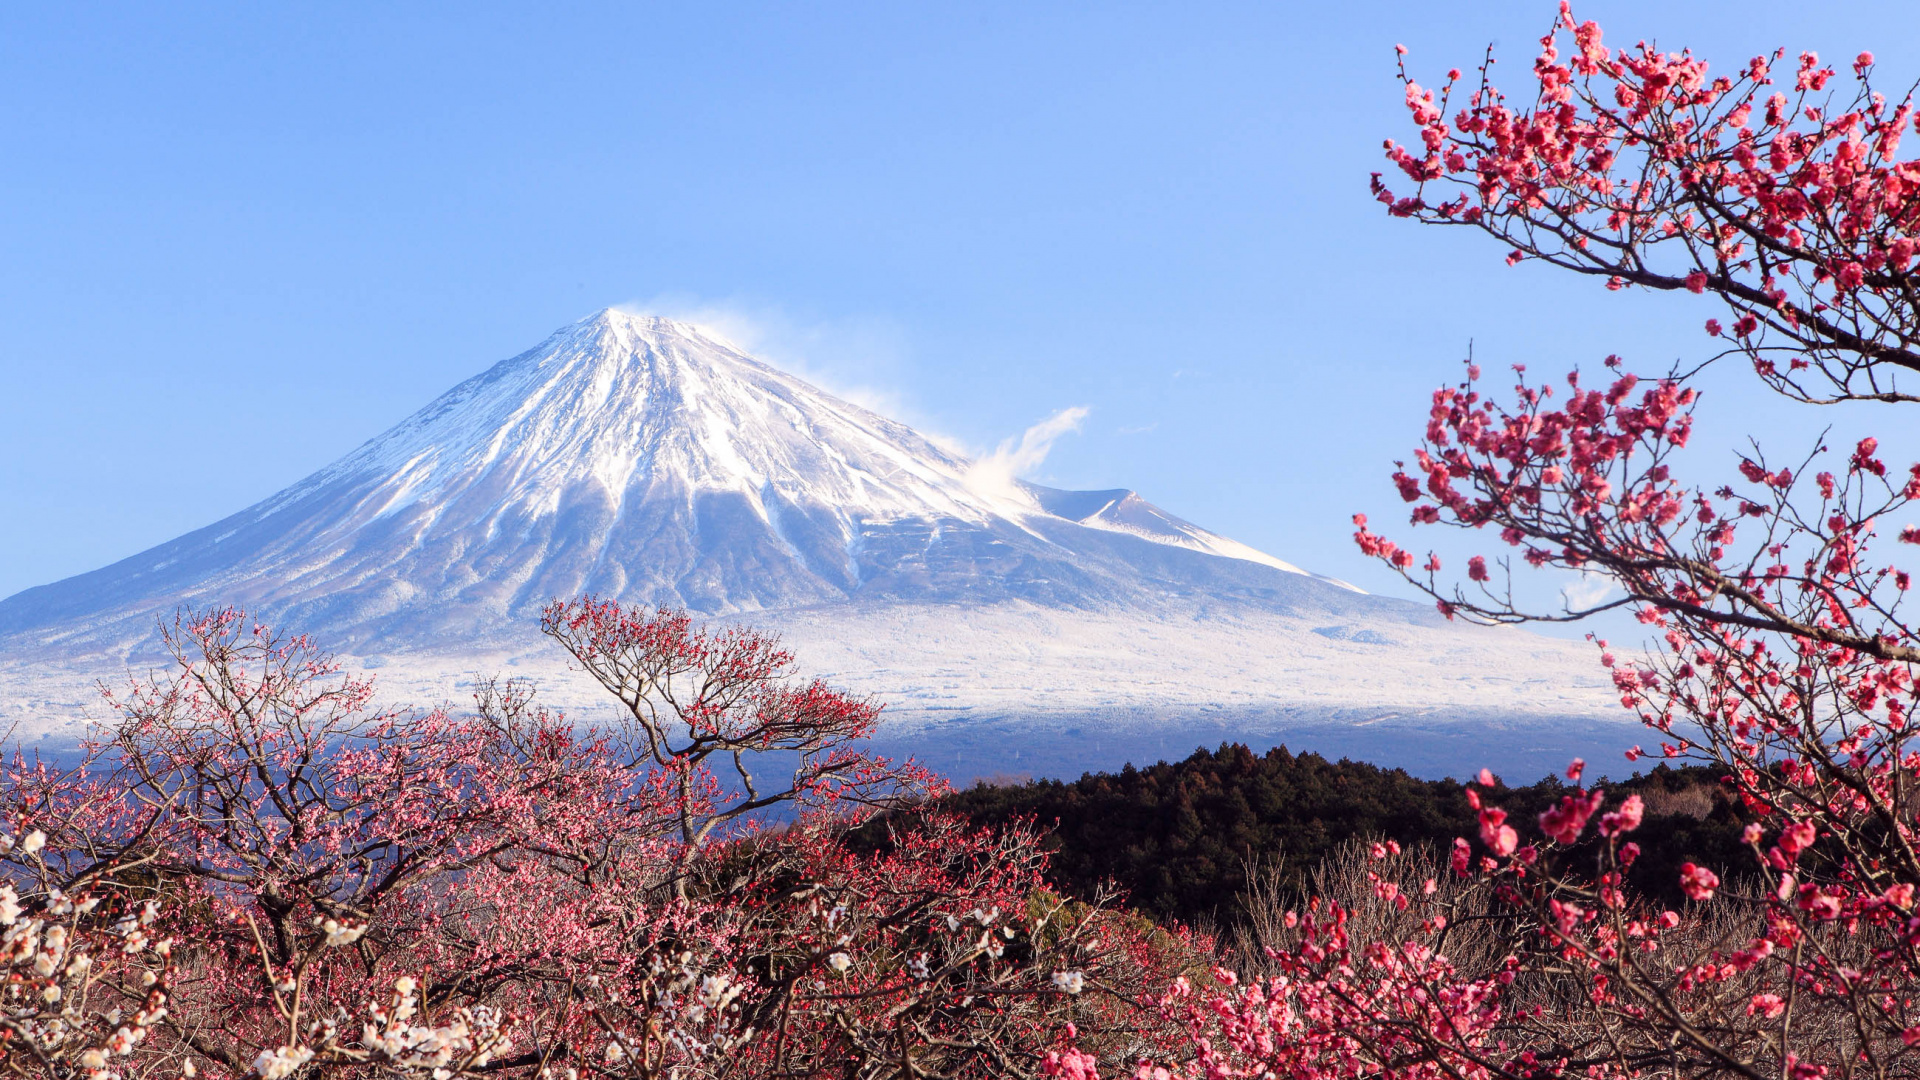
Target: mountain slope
(646,460)
(640,458)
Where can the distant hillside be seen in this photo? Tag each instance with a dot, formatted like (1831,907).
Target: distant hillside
(1178,836)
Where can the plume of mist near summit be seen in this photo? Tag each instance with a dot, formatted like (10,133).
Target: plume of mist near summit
(997,474)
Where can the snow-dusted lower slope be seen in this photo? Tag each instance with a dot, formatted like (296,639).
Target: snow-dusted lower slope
(644,459)
(1018,688)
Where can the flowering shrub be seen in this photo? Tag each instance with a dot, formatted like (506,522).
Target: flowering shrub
(1772,190)
(1783,656)
(282,879)
(85,981)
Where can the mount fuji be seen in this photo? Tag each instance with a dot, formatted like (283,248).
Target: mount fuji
(1010,627)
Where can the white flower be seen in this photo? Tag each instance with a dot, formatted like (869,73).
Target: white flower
(281,1063)
(1071,981)
(9,906)
(33,841)
(340,934)
(718,991)
(840,962)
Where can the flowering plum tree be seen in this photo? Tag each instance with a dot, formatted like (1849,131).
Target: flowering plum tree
(85,981)
(1784,656)
(703,708)
(261,873)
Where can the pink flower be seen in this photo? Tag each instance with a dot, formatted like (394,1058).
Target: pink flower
(1796,838)
(1496,834)
(1625,819)
(1697,281)
(1565,821)
(1070,1064)
(1698,882)
(1819,903)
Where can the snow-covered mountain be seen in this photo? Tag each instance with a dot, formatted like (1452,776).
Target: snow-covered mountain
(641,458)
(645,459)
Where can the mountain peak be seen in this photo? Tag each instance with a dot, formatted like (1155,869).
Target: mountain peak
(632,328)
(644,458)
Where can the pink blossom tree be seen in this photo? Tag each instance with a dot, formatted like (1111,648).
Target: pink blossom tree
(1782,654)
(276,877)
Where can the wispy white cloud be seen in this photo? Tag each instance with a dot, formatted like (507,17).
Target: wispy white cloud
(995,473)
(842,356)
(1592,588)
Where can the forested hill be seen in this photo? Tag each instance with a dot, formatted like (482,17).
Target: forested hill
(1178,837)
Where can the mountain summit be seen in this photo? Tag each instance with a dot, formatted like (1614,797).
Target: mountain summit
(637,457)
(1008,626)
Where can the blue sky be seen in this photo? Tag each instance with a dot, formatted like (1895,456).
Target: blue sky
(240,240)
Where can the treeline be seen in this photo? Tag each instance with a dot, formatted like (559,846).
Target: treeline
(1179,837)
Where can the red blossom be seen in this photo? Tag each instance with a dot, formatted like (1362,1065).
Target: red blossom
(1698,882)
